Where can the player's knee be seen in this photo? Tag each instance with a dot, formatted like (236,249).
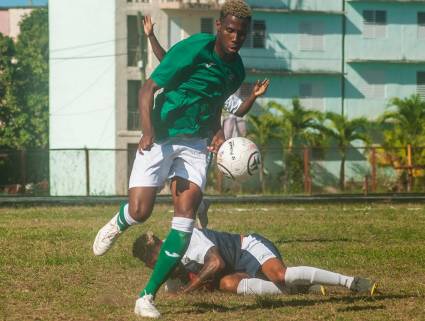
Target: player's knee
(138,211)
(229,284)
(276,275)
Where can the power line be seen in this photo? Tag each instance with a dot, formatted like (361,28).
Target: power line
(88,45)
(82,112)
(87,57)
(83,92)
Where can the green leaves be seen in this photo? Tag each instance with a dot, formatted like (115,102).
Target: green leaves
(24,81)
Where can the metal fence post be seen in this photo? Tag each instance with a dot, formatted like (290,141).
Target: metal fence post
(373,169)
(23,162)
(86,153)
(307,178)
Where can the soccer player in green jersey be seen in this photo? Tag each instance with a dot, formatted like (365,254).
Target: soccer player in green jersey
(233,105)
(197,75)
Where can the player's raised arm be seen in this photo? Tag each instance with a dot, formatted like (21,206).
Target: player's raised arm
(258,90)
(156,47)
(213,264)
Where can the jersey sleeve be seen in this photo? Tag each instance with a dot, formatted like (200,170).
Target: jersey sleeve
(232,104)
(198,248)
(178,60)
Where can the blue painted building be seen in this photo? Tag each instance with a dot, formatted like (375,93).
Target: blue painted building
(345,56)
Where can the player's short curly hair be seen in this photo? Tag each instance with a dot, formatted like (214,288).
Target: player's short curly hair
(143,246)
(237,8)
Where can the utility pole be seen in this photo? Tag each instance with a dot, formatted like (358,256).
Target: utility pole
(141,63)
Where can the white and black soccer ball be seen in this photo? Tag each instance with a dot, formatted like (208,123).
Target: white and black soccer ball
(238,158)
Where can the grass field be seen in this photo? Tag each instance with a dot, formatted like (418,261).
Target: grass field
(48,272)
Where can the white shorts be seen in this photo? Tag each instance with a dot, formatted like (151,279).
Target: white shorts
(259,248)
(177,156)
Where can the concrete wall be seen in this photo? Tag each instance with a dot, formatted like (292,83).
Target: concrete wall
(82,91)
(4,22)
(401,36)
(382,67)
(399,81)
(10,20)
(283,49)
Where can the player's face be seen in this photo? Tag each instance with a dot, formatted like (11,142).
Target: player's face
(231,34)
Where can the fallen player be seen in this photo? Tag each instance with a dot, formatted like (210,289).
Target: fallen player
(243,264)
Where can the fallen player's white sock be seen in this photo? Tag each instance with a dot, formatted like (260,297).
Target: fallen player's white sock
(310,275)
(257,286)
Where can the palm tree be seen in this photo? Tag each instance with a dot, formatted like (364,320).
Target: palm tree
(261,130)
(297,127)
(343,131)
(406,122)
(405,125)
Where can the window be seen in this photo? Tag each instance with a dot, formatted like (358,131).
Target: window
(132,41)
(311,36)
(256,37)
(133,119)
(421,25)
(420,84)
(207,25)
(311,96)
(133,47)
(375,84)
(259,34)
(374,23)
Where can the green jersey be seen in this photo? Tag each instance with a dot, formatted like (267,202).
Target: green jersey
(196,83)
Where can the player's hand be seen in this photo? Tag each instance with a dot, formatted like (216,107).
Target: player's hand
(148,25)
(217,141)
(146,142)
(260,87)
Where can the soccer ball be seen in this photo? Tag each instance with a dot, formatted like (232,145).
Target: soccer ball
(238,158)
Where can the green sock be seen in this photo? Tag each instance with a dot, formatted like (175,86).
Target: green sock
(121,221)
(170,255)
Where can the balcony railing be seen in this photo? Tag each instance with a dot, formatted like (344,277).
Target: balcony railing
(191,4)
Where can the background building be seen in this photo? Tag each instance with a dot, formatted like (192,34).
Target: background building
(348,57)
(11,14)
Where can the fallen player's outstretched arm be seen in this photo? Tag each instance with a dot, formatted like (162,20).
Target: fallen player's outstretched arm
(213,264)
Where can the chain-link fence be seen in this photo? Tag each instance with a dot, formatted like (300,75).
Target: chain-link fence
(61,172)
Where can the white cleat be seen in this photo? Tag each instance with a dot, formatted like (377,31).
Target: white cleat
(106,237)
(146,308)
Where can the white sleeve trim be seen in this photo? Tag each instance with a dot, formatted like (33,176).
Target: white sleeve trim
(198,248)
(232,104)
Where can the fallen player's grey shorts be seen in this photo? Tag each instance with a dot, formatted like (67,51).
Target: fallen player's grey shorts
(256,250)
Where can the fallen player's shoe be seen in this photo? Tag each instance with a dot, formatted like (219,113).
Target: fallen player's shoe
(363,286)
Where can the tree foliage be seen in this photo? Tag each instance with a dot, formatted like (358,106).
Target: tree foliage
(262,129)
(24,85)
(343,131)
(297,127)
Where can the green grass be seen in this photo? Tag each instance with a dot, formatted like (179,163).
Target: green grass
(48,271)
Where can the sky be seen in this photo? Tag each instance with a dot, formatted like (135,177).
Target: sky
(12,3)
